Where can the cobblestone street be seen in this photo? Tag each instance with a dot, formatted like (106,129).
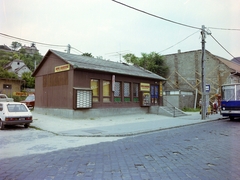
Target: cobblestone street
(203,151)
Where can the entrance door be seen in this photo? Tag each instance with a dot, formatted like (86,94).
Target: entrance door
(154,94)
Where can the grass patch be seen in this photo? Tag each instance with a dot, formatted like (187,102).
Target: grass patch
(186,109)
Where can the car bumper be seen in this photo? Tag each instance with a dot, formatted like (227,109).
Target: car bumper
(230,113)
(20,122)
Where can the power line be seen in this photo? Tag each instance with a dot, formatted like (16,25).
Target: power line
(77,50)
(179,41)
(222,46)
(229,29)
(40,43)
(178,24)
(156,15)
(225,29)
(9,36)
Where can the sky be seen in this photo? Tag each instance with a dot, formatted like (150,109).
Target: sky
(109,30)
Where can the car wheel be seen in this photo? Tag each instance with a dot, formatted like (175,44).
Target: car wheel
(231,118)
(26,125)
(1,125)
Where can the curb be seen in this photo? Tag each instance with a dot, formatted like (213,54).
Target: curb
(128,134)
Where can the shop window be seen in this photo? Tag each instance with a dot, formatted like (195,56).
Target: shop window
(117,92)
(106,91)
(135,92)
(126,88)
(95,89)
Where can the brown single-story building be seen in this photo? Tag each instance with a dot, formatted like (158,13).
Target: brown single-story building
(78,86)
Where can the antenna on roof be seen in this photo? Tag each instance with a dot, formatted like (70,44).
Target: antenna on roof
(119,53)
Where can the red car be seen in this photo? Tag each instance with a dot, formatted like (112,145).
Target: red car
(29,101)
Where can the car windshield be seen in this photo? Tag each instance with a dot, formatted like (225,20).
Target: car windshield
(30,98)
(16,108)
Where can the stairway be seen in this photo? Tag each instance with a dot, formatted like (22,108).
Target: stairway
(170,111)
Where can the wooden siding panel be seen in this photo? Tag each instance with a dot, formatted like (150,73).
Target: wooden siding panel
(58,79)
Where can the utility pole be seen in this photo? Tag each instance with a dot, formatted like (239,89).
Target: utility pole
(68,48)
(204,103)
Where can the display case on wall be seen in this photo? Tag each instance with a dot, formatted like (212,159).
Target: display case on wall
(82,98)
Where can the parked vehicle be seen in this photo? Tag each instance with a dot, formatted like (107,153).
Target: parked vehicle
(230,103)
(29,101)
(14,113)
(4,98)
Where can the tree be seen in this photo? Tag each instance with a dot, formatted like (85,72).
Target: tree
(87,54)
(152,62)
(5,74)
(15,56)
(29,60)
(16,45)
(29,80)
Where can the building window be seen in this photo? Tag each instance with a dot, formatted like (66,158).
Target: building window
(117,92)
(7,86)
(106,91)
(135,92)
(126,88)
(95,89)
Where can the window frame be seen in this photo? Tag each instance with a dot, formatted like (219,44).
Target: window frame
(127,92)
(118,98)
(136,92)
(105,97)
(95,98)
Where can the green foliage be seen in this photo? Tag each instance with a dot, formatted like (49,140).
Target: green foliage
(5,58)
(187,109)
(131,58)
(29,80)
(6,74)
(15,45)
(3,62)
(18,98)
(152,62)
(16,56)
(87,54)
(28,59)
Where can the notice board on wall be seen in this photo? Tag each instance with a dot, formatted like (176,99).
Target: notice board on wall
(83,98)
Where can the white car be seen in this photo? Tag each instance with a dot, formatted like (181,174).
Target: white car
(14,113)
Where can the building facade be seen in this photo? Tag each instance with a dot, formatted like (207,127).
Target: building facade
(79,86)
(10,86)
(18,67)
(185,74)
(30,50)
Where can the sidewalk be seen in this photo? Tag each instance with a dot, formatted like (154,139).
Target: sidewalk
(115,126)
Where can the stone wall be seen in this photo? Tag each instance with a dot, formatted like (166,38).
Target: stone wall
(185,71)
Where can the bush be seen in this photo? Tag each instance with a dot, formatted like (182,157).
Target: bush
(18,98)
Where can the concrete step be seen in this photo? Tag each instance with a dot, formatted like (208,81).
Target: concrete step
(171,111)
